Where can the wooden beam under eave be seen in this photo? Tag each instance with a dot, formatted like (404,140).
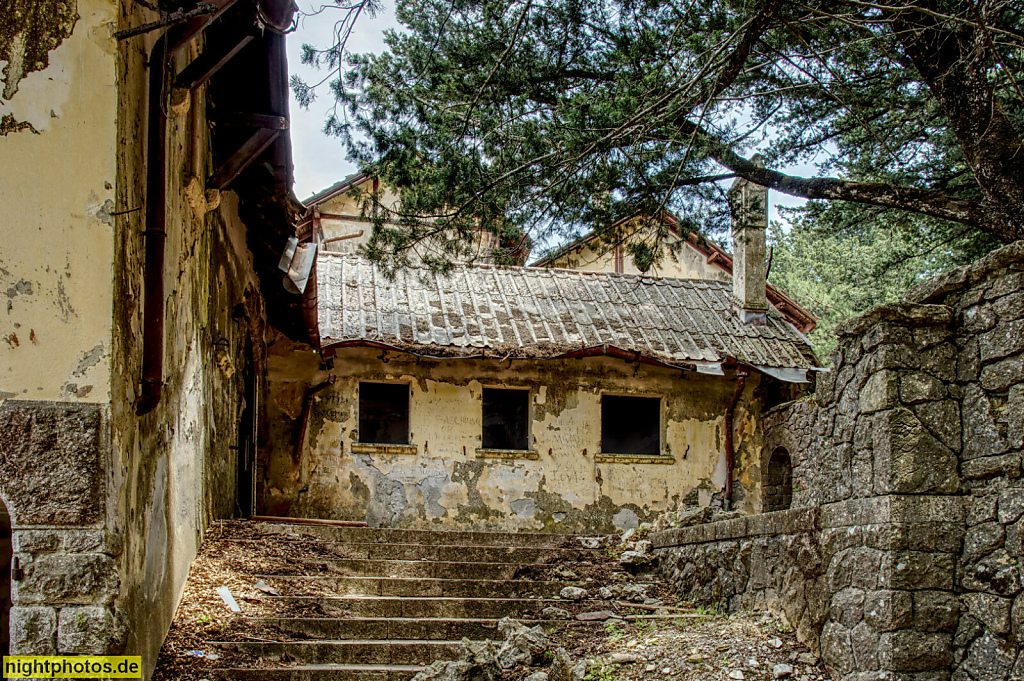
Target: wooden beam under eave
(240,160)
(202,68)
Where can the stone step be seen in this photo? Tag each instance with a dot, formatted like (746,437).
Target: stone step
(462,554)
(387,535)
(385,628)
(356,651)
(325,672)
(423,568)
(416,607)
(414,587)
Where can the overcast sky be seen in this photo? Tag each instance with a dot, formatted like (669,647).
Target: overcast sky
(320,159)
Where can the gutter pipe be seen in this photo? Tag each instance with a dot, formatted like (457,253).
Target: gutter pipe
(155,235)
(741,381)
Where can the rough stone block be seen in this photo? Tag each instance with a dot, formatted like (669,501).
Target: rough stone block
(888,610)
(997,573)
(940,361)
(1015,539)
(982,436)
(32,630)
(880,392)
(983,539)
(999,376)
(1011,504)
(968,363)
(992,611)
(990,657)
(936,611)
(836,648)
(982,508)
(36,541)
(930,335)
(864,641)
(1017,618)
(907,650)
(1006,339)
(942,419)
(992,466)
(50,462)
(1015,417)
(916,570)
(908,459)
(89,630)
(920,387)
(1007,284)
(978,319)
(967,629)
(85,579)
(887,537)
(1010,306)
(941,537)
(847,607)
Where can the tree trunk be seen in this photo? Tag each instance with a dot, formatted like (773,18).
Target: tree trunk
(953,60)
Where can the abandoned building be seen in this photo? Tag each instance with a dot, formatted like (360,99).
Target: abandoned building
(183,340)
(523,398)
(146,183)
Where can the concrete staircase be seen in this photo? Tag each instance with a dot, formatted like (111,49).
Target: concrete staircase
(397,600)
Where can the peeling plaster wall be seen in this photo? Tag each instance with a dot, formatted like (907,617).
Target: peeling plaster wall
(57,142)
(352,206)
(175,468)
(131,497)
(445,485)
(685,263)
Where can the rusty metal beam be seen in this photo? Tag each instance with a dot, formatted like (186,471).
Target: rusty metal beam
(252,120)
(241,159)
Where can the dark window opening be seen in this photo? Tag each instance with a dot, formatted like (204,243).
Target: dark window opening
(630,425)
(384,413)
(778,482)
(506,422)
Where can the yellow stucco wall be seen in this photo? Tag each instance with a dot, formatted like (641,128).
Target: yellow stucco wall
(349,205)
(56,228)
(685,263)
(444,484)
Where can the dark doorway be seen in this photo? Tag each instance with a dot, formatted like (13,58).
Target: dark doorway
(506,419)
(246,473)
(630,425)
(6,554)
(384,413)
(778,481)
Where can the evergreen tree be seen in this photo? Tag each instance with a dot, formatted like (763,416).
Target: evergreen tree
(550,117)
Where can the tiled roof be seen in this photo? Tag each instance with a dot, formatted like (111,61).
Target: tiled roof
(533,312)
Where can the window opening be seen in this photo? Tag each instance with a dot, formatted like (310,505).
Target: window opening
(778,483)
(630,425)
(506,419)
(384,413)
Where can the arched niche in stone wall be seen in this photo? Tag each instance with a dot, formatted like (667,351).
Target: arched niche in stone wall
(777,481)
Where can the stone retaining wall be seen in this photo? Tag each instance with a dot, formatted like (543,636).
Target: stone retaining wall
(902,557)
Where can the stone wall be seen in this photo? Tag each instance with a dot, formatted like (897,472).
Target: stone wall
(903,558)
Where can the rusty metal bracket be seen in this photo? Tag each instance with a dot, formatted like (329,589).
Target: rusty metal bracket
(169,19)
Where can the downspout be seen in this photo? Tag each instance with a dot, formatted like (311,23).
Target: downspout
(741,381)
(155,234)
(307,407)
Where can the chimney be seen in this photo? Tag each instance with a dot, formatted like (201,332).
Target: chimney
(749,223)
